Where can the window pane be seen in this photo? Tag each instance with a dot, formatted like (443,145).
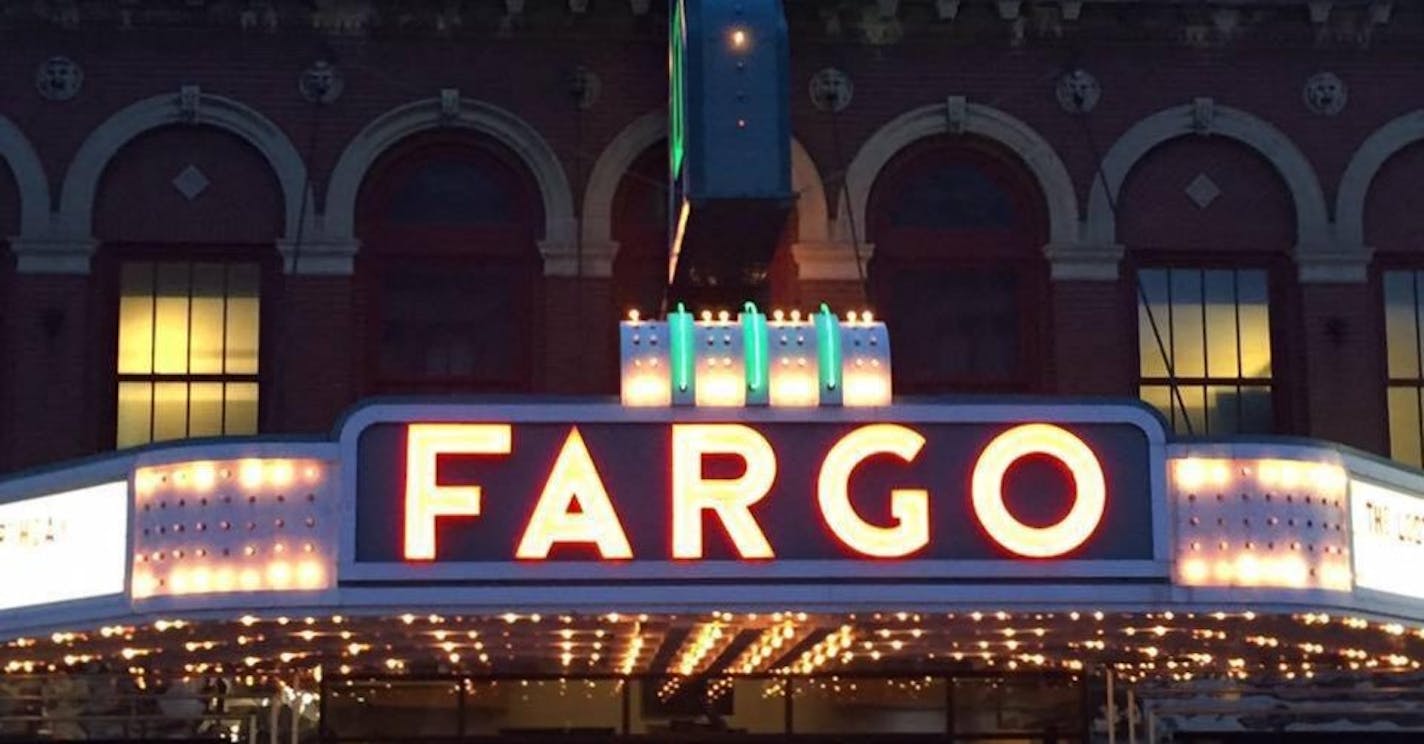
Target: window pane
(243,319)
(205,409)
(1401,324)
(1256,411)
(241,408)
(171,342)
(1255,312)
(1223,409)
(135,407)
(1152,361)
(1159,397)
(1404,425)
(1193,421)
(206,344)
(1188,335)
(170,410)
(136,318)
(451,323)
(1220,294)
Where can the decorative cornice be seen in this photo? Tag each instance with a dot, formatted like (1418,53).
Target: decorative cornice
(52,255)
(831,261)
(1083,262)
(568,260)
(319,257)
(1332,264)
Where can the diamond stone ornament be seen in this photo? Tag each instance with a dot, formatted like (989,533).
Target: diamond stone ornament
(190,182)
(1203,191)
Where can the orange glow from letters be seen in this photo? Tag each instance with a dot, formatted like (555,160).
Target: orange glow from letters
(730,498)
(1089,487)
(909,507)
(574,478)
(424,499)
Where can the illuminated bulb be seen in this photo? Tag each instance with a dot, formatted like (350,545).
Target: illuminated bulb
(633,315)
(279,574)
(795,316)
(281,473)
(739,39)
(205,476)
(724,316)
(866,317)
(310,575)
(249,474)
(851,316)
(706,316)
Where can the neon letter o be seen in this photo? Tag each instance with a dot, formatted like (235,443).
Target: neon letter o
(1089,491)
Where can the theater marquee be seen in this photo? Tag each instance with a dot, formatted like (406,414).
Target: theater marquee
(535,492)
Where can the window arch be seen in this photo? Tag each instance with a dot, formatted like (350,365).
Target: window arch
(188,218)
(959,225)
(1212,295)
(448,266)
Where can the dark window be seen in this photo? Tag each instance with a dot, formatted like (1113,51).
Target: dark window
(450,325)
(1204,341)
(952,196)
(957,325)
(449,192)
(448,266)
(958,227)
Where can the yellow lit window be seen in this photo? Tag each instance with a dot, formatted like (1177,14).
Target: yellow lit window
(1204,347)
(188,348)
(1403,326)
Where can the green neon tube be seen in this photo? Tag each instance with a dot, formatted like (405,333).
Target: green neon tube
(754,344)
(828,348)
(680,347)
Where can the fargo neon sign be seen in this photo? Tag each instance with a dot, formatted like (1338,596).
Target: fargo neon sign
(894,512)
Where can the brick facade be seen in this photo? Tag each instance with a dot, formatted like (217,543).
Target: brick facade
(58,324)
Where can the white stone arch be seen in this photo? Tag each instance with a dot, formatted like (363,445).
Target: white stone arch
(1364,165)
(81,181)
(557,244)
(813,222)
(1203,117)
(30,179)
(958,116)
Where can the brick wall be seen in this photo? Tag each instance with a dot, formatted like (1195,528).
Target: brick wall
(56,389)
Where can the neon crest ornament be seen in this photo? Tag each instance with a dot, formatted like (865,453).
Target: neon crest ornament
(784,361)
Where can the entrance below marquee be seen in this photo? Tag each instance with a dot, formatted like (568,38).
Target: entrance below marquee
(972,707)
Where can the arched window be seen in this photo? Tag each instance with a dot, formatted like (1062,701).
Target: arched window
(189,218)
(1210,288)
(1392,227)
(448,266)
(958,273)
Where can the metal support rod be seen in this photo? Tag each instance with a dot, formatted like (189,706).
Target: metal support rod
(1131,717)
(627,704)
(252,729)
(322,735)
(274,718)
(460,706)
(789,724)
(296,709)
(1112,710)
(949,722)
(1151,726)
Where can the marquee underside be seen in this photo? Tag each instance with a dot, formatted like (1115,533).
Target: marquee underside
(1140,647)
